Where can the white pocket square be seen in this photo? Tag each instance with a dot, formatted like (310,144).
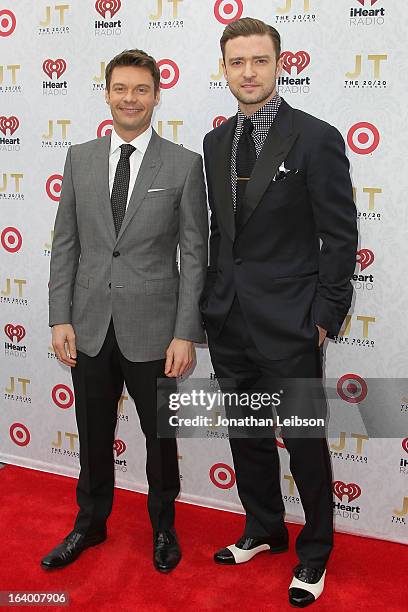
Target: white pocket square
(161,189)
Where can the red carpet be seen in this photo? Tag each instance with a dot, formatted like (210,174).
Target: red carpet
(38,509)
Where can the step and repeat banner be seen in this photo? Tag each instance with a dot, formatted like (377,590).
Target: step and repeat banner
(344,62)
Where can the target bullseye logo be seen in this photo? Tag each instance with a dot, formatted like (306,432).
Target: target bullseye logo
(352,388)
(119,447)
(19,434)
(227,11)
(299,61)
(104,128)
(9,123)
(11,239)
(107,8)
(219,121)
(169,73)
(62,396)
(222,476)
(8,22)
(365,258)
(57,66)
(363,138)
(14,331)
(350,490)
(53,187)
(404,444)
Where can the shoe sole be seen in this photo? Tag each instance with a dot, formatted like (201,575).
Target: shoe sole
(52,567)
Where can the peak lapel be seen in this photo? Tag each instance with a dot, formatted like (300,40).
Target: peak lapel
(100,172)
(222,179)
(279,141)
(149,168)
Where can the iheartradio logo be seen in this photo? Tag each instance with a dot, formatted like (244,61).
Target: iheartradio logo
(108,8)
(404,445)
(368,2)
(119,447)
(219,121)
(299,61)
(57,66)
(9,123)
(351,490)
(16,332)
(365,258)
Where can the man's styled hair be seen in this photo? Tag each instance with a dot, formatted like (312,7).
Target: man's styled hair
(134,57)
(247,26)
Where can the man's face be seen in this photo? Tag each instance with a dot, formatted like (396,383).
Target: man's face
(132,99)
(251,69)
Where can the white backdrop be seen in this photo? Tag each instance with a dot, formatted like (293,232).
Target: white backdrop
(346,63)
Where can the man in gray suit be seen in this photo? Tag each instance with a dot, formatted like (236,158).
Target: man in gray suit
(120,311)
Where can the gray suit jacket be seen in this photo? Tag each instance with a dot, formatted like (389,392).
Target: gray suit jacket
(133,278)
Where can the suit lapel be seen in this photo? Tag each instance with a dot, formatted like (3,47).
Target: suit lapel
(222,182)
(147,172)
(100,171)
(280,139)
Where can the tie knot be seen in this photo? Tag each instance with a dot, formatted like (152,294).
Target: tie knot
(248,126)
(126,150)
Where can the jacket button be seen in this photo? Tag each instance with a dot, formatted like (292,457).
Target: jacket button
(109,285)
(116,253)
(238,261)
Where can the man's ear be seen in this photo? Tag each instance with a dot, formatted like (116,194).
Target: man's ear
(106,96)
(279,67)
(224,69)
(157,97)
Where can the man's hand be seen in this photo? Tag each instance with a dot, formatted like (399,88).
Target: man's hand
(63,342)
(180,356)
(322,334)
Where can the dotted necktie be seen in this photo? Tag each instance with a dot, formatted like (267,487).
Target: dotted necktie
(245,162)
(121,186)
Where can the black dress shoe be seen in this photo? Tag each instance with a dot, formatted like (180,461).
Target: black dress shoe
(71,548)
(166,550)
(307,585)
(246,548)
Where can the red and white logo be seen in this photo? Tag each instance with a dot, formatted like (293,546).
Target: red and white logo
(57,66)
(351,490)
(9,123)
(11,239)
(107,8)
(53,187)
(299,61)
(8,22)
(363,138)
(404,444)
(119,447)
(364,2)
(222,476)
(14,331)
(227,11)
(365,258)
(219,121)
(104,128)
(62,396)
(169,73)
(20,434)
(352,388)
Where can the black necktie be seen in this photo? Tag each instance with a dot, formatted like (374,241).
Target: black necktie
(121,186)
(245,162)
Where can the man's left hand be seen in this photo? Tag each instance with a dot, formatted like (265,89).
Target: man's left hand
(322,334)
(180,356)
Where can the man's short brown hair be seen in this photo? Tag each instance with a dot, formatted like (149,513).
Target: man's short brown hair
(247,26)
(134,57)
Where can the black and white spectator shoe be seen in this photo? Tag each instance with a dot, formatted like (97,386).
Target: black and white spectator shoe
(246,548)
(307,585)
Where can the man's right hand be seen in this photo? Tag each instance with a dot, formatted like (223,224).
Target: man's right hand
(63,342)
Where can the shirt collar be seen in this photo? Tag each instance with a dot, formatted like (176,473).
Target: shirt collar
(264,115)
(140,143)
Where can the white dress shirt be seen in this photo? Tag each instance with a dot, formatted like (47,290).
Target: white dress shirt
(140,143)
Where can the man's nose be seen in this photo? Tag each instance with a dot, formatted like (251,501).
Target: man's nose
(249,70)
